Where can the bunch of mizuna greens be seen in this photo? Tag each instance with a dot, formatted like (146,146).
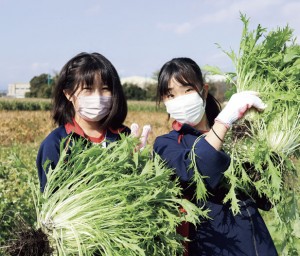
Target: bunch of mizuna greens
(111,201)
(263,146)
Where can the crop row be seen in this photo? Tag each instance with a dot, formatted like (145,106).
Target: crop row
(44,104)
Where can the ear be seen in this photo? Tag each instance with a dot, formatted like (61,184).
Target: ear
(68,95)
(205,88)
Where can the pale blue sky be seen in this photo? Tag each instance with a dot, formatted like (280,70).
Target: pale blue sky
(137,36)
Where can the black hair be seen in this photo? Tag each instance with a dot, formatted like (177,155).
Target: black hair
(188,73)
(83,70)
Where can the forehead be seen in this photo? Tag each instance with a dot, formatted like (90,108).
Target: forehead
(176,85)
(92,81)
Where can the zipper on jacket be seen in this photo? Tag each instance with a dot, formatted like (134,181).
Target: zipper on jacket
(253,237)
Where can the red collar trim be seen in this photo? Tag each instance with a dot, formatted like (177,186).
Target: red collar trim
(176,125)
(180,136)
(75,128)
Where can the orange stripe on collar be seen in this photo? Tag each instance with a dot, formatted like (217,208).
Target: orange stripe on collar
(75,128)
(176,125)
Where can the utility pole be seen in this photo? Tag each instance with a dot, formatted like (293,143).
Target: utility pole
(48,79)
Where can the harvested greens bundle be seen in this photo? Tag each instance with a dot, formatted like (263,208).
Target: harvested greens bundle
(263,146)
(110,201)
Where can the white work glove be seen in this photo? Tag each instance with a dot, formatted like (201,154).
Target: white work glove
(237,106)
(144,136)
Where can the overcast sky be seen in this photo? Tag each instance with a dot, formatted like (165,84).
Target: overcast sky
(137,36)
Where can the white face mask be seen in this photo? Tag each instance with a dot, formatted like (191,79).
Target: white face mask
(188,109)
(94,108)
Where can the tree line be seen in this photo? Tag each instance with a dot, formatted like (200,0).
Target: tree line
(42,87)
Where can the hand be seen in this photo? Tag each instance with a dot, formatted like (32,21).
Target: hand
(144,136)
(237,106)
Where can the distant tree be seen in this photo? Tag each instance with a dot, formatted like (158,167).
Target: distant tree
(41,86)
(152,88)
(213,89)
(155,75)
(151,91)
(133,92)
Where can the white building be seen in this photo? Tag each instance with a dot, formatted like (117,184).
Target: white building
(18,90)
(138,81)
(217,85)
(215,78)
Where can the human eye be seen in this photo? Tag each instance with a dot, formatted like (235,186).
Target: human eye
(189,89)
(169,95)
(105,88)
(86,89)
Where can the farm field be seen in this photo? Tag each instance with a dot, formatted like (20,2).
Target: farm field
(31,127)
(21,133)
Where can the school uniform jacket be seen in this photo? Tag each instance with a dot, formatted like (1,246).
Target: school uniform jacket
(50,147)
(225,233)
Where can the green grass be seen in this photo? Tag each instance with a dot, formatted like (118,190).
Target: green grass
(276,234)
(25,104)
(15,195)
(45,104)
(16,200)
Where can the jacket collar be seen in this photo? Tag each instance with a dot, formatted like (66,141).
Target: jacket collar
(75,128)
(107,134)
(186,129)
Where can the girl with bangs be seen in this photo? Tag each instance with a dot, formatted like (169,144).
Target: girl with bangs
(200,125)
(89,103)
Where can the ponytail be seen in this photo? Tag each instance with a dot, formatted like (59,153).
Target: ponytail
(212,109)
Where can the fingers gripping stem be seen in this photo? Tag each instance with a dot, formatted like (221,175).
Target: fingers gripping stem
(144,136)
(134,130)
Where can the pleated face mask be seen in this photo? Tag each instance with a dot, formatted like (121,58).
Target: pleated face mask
(188,109)
(94,108)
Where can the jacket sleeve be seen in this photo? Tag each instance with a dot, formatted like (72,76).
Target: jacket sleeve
(209,161)
(48,155)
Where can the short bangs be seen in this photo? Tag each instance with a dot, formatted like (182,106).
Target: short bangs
(94,73)
(183,73)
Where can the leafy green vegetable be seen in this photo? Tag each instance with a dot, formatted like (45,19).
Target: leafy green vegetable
(268,142)
(112,201)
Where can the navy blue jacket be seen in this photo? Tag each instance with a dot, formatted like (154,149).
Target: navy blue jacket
(225,233)
(50,148)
